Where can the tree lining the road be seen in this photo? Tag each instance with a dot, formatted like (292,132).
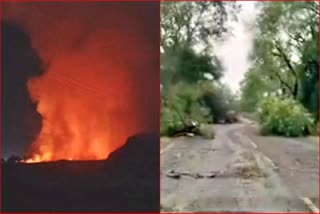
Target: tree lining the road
(285,50)
(284,58)
(188,60)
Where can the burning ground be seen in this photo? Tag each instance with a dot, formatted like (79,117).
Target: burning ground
(78,80)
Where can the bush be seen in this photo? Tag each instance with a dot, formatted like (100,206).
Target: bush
(170,122)
(182,108)
(284,116)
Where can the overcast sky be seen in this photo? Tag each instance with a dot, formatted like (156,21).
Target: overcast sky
(234,51)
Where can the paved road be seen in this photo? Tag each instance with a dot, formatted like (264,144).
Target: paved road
(256,173)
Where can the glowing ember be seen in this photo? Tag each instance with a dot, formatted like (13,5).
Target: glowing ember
(34,159)
(38,158)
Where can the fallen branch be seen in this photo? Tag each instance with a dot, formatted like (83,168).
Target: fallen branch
(178,175)
(310,205)
(185,131)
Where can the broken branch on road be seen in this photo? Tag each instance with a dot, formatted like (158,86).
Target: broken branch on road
(177,175)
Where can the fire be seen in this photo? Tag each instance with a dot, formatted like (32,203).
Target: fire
(35,159)
(80,120)
(101,82)
(40,158)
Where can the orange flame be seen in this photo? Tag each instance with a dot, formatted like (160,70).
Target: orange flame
(102,83)
(81,121)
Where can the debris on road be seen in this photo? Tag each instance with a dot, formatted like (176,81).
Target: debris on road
(310,205)
(177,175)
(274,167)
(168,209)
(242,164)
(173,174)
(190,134)
(245,165)
(186,131)
(244,178)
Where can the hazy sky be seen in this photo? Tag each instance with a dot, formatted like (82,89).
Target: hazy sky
(234,51)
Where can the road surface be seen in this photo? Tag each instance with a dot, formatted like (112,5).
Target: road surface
(253,173)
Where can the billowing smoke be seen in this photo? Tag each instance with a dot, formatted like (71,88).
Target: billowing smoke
(101,80)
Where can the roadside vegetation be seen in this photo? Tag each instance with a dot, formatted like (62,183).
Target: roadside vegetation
(282,83)
(280,89)
(284,117)
(192,95)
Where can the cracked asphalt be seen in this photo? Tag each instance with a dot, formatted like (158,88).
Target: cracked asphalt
(257,173)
